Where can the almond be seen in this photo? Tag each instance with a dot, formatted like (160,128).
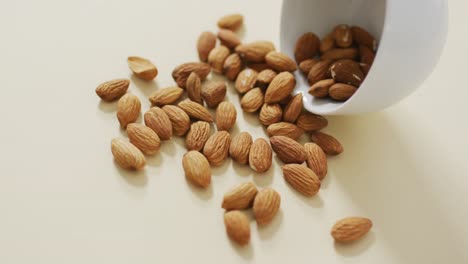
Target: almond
(329,144)
(306,65)
(363,37)
(217,58)
(217,147)
(126,155)
(340,54)
(194,88)
(246,80)
(166,96)
(286,100)
(213,92)
(343,36)
(252,100)
(293,109)
(232,66)
(285,129)
(159,122)
(198,135)
(288,150)
(240,197)
(320,88)
(266,205)
(307,47)
(311,122)
(316,160)
(128,109)
(226,116)
(302,179)
(255,51)
(113,89)
(179,119)
(206,42)
(142,68)
(280,62)
(182,72)
(350,229)
(232,21)
(228,38)
(197,169)
(144,138)
(366,55)
(270,113)
(365,68)
(237,227)
(327,43)
(319,71)
(196,111)
(265,77)
(341,91)
(258,67)
(280,87)
(260,156)
(348,72)
(240,147)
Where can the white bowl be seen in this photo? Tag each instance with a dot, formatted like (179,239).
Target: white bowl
(411,35)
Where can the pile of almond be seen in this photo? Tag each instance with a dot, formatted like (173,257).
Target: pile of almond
(263,76)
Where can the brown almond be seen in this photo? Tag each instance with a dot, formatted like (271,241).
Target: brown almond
(197,169)
(232,66)
(217,147)
(284,129)
(179,119)
(302,179)
(213,93)
(341,91)
(128,109)
(350,229)
(183,71)
(255,51)
(365,68)
(196,111)
(232,21)
(320,88)
(280,87)
(237,227)
(270,113)
(311,122)
(288,150)
(126,155)
(260,156)
(240,197)
(159,122)
(206,42)
(265,77)
(293,109)
(144,138)
(366,55)
(286,100)
(348,72)
(307,47)
(316,159)
(340,54)
(252,100)
(327,43)
(266,205)
(228,38)
(343,36)
(240,147)
(246,80)
(194,88)
(329,144)
(258,67)
(363,37)
(280,62)
(166,96)
(142,68)
(226,116)
(113,89)
(198,135)
(217,57)
(306,65)
(319,71)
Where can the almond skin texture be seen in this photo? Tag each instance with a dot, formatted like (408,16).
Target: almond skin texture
(258,67)
(197,169)
(226,116)
(319,71)
(232,66)
(144,138)
(183,71)
(159,122)
(329,145)
(260,156)
(126,155)
(365,68)
(237,227)
(281,87)
(246,80)
(128,109)
(266,205)
(350,229)
(302,179)
(307,47)
(285,129)
(316,159)
(252,100)
(363,37)
(240,147)
(213,93)
(306,65)
(327,43)
(293,109)
(280,62)
(217,58)
(311,122)
(341,91)
(265,77)
(196,111)
(113,89)
(348,72)
(255,51)
(166,96)
(288,150)
(320,89)
(366,55)
(216,148)
(240,197)
(340,54)
(343,36)
(179,119)
(198,135)
(231,22)
(194,88)
(206,42)
(270,113)
(228,38)
(142,68)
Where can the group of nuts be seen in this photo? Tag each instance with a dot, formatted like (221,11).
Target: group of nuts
(263,77)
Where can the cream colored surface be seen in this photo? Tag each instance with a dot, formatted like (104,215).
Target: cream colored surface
(63,200)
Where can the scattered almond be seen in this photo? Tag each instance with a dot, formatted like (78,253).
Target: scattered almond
(206,42)
(128,109)
(217,147)
(237,227)
(293,109)
(351,229)
(327,43)
(258,67)
(179,119)
(232,66)
(255,51)
(320,89)
(142,68)
(265,77)
(197,169)
(217,58)
(316,160)
(260,156)
(113,89)
(144,138)
(340,54)
(166,96)
(196,111)
(246,80)
(159,122)
(198,135)
(280,62)
(240,147)
(343,36)
(280,87)
(307,47)
(288,150)
(240,197)
(363,37)
(228,38)
(319,71)
(252,100)
(348,72)
(126,155)
(341,91)
(232,22)
(182,72)
(226,116)
(270,113)
(306,65)
(213,93)
(194,88)
(266,205)
(285,129)
(302,179)
(311,122)
(329,144)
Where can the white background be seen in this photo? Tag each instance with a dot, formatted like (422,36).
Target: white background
(63,200)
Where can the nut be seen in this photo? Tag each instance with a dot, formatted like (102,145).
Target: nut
(217,147)
(366,55)
(260,156)
(343,36)
(228,38)
(240,197)
(142,68)
(128,109)
(198,135)
(232,22)
(285,129)
(246,80)
(179,119)
(302,179)
(226,116)
(197,169)
(363,37)
(270,113)
(182,72)
(237,227)
(255,51)
(340,54)
(265,77)
(213,92)
(327,43)
(288,150)
(206,42)
(240,147)
(320,89)
(341,91)
(113,89)
(232,66)
(266,205)
(316,160)
(348,72)
(166,96)
(280,87)
(293,109)
(159,122)
(329,144)
(280,62)
(126,155)
(194,88)
(307,47)
(306,65)
(252,100)
(196,111)
(319,71)
(311,122)
(217,57)
(144,138)
(350,229)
